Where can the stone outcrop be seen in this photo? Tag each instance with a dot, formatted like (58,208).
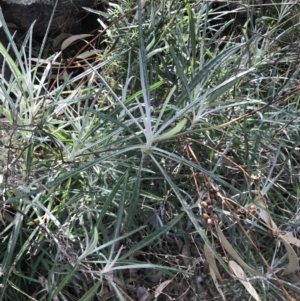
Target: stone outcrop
(67,18)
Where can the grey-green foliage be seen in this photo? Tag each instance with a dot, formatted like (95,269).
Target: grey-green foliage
(110,175)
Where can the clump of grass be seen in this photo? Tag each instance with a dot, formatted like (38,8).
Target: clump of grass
(164,171)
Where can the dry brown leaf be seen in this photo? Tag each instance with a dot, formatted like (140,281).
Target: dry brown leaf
(89,53)
(45,62)
(291,239)
(214,277)
(185,256)
(293,264)
(66,43)
(233,253)
(265,216)
(242,277)
(155,276)
(161,287)
(142,294)
(211,261)
(60,38)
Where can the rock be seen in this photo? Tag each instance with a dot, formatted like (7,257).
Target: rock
(21,14)
(67,17)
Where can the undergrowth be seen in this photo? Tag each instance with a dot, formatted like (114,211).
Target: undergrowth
(166,168)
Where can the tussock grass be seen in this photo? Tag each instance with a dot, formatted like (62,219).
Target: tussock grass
(167,168)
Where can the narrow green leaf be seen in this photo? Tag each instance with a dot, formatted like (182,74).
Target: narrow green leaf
(180,72)
(143,59)
(90,294)
(109,200)
(77,171)
(90,246)
(113,241)
(190,214)
(163,153)
(134,197)
(169,134)
(121,204)
(155,235)
(63,283)
(205,71)
(192,30)
(7,262)
(11,63)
